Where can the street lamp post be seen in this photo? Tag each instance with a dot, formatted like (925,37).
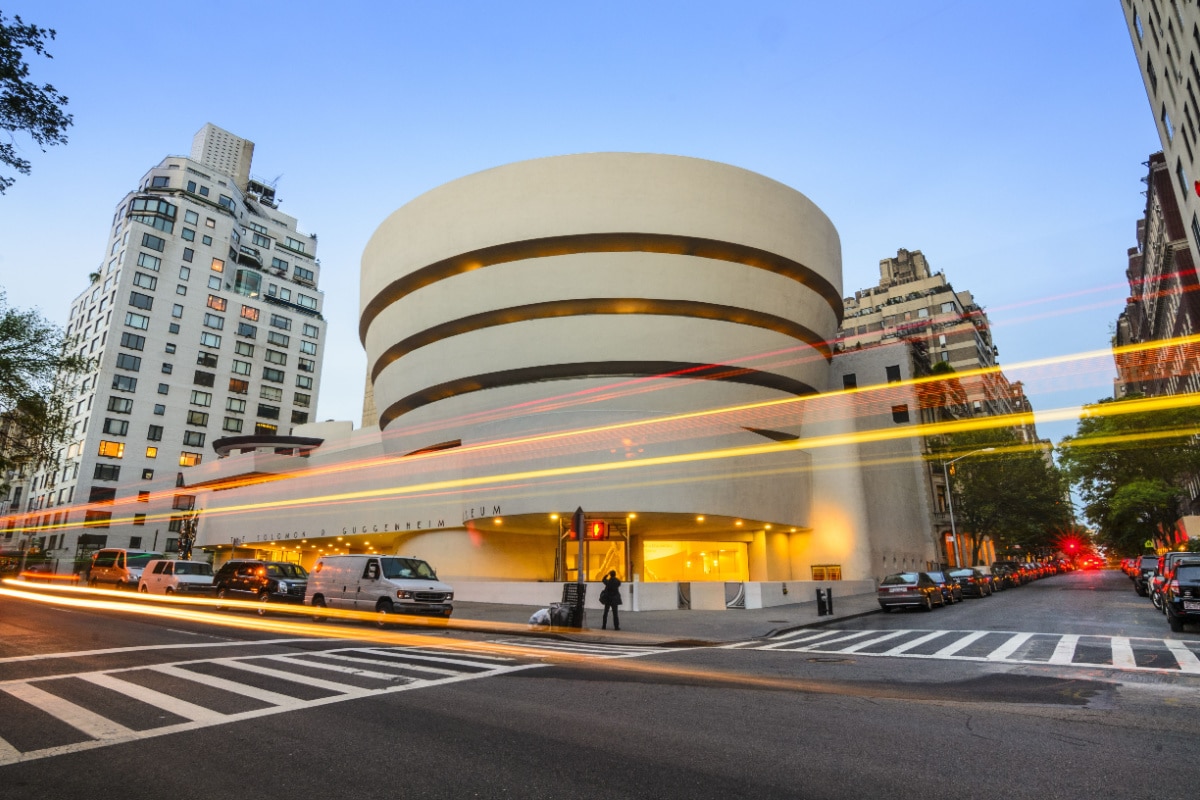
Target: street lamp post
(950,498)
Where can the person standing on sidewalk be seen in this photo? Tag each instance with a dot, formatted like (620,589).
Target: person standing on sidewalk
(611,598)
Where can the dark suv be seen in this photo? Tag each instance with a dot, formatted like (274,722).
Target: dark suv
(1182,595)
(264,581)
(1146,567)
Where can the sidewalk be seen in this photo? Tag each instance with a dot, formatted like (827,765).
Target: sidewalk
(685,628)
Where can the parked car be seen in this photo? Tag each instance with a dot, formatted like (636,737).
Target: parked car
(120,566)
(264,581)
(971,581)
(996,580)
(169,576)
(1018,572)
(1182,598)
(951,589)
(914,589)
(383,584)
(1146,567)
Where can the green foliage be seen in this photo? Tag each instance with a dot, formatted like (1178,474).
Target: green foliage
(25,106)
(1127,467)
(33,409)
(1013,494)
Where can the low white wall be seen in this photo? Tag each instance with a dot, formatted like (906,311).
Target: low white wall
(706,596)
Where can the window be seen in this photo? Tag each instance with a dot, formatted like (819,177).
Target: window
(295,244)
(205,359)
(849,381)
(142,301)
(214,321)
(235,405)
(159,409)
(300,399)
(276,357)
(209,222)
(260,240)
(193,439)
(241,367)
(247,330)
(188,255)
(126,361)
(1167,126)
(180,289)
(210,340)
(111,449)
(827,572)
(311,331)
(305,275)
(307,302)
(244,349)
(198,418)
(272,375)
(225,201)
(250,313)
(206,240)
(151,452)
(308,347)
(177,313)
(191,217)
(168,368)
(120,405)
(278,263)
(247,283)
(218,265)
(271,393)
(202,399)
(277,338)
(254,226)
(188,234)
(133,341)
(299,417)
(147,474)
(304,382)
(164,388)
(116,427)
(96,519)
(893,373)
(202,378)
(232,425)
(900,414)
(283,323)
(265,428)
(306,365)
(153,242)
(139,321)
(154,433)
(147,282)
(107,472)
(187,459)
(239,386)
(159,182)
(217,303)
(143,496)
(124,383)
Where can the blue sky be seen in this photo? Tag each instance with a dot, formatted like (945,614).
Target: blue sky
(1004,140)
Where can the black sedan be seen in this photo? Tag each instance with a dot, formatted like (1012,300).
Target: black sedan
(973,582)
(914,589)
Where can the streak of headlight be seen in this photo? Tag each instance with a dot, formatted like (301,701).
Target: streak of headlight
(398,639)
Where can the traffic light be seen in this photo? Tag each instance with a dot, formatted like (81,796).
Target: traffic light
(596,529)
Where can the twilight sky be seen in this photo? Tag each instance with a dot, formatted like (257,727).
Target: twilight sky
(1004,140)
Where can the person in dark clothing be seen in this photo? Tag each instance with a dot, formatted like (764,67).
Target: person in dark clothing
(611,598)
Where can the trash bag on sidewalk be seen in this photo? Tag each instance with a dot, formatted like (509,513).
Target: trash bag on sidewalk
(540,618)
(560,615)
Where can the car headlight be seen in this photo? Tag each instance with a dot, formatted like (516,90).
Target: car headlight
(403,594)
(449,595)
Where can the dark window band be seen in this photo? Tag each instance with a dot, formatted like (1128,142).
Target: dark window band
(599,243)
(593,369)
(599,305)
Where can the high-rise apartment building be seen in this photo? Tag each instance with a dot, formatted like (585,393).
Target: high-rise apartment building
(204,322)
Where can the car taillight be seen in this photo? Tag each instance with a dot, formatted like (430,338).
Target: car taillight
(1174,586)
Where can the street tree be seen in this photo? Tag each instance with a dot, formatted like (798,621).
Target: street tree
(26,107)
(1128,460)
(1011,493)
(34,371)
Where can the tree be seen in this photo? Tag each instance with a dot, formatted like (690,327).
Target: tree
(34,369)
(1127,459)
(25,106)
(1013,495)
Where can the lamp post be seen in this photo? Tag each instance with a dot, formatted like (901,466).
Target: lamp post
(950,498)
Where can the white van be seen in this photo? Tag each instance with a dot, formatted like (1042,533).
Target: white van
(168,576)
(386,584)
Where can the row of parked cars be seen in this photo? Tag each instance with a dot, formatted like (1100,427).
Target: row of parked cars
(1171,581)
(379,583)
(933,588)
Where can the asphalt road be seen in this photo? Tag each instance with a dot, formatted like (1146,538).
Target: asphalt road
(104,705)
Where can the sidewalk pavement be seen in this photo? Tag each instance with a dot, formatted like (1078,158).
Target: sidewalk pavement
(683,628)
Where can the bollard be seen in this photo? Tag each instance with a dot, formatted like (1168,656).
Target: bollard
(822,604)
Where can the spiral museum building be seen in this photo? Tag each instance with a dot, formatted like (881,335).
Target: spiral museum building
(643,336)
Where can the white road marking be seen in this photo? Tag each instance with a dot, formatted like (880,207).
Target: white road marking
(1064,651)
(1013,644)
(77,717)
(861,645)
(961,644)
(283,700)
(141,648)
(1122,653)
(920,640)
(1186,658)
(180,708)
(359,671)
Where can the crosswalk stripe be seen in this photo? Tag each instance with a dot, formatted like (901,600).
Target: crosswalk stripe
(847,638)
(1064,651)
(258,669)
(339,668)
(1122,652)
(180,708)
(788,642)
(1009,647)
(961,644)
(77,717)
(8,753)
(920,640)
(854,648)
(1186,658)
(407,655)
(273,698)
